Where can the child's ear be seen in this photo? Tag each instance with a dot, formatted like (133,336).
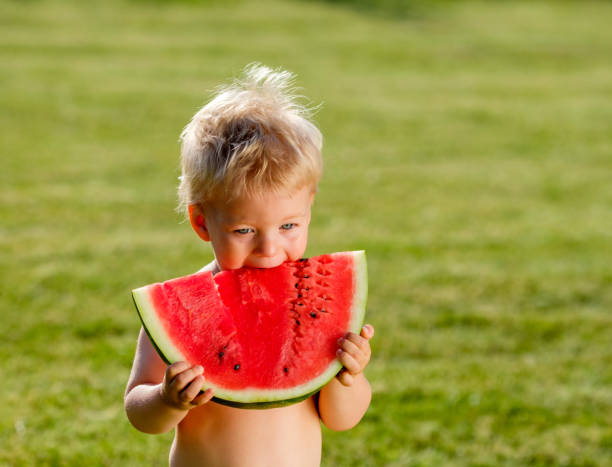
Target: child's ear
(312,198)
(198,222)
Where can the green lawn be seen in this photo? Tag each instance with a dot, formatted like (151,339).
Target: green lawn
(468,149)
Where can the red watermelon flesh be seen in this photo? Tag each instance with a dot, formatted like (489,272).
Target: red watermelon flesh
(265,337)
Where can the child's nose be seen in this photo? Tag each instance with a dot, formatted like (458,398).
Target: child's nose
(266,246)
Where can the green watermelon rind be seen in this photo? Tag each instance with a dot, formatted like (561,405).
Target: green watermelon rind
(152,326)
(257,398)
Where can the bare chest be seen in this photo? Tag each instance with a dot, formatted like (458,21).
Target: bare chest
(216,435)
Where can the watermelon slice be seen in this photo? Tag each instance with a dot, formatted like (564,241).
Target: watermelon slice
(265,337)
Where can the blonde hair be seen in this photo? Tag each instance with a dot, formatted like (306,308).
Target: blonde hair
(252,137)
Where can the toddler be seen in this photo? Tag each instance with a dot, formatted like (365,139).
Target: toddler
(251,161)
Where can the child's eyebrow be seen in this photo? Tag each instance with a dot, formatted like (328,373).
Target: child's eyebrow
(245,220)
(293,216)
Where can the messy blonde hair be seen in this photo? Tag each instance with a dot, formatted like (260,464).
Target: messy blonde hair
(252,137)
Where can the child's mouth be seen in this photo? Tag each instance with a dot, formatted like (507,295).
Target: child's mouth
(264,263)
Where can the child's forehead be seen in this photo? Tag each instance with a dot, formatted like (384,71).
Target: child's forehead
(264,206)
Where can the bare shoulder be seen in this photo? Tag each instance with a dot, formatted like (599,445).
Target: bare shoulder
(148,367)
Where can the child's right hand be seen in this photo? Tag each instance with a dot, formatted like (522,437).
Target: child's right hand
(181,386)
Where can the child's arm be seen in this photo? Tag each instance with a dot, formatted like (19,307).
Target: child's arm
(158,398)
(345,399)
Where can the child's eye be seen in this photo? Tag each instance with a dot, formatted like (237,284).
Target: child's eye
(243,231)
(287,226)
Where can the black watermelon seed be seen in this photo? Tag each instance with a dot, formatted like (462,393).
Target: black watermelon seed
(300,304)
(236,366)
(297,321)
(302,260)
(313,314)
(299,295)
(306,276)
(286,370)
(297,285)
(220,354)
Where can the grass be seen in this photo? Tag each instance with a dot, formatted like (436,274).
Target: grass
(467,150)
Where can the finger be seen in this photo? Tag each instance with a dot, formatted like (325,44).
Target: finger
(349,346)
(362,344)
(192,390)
(203,398)
(367,332)
(349,362)
(361,356)
(345,378)
(175,369)
(181,380)
(360,341)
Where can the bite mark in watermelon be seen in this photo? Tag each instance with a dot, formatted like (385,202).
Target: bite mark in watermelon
(265,337)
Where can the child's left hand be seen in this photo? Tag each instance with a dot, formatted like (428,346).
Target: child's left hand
(354,353)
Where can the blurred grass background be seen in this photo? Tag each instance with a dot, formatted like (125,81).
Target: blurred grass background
(468,150)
